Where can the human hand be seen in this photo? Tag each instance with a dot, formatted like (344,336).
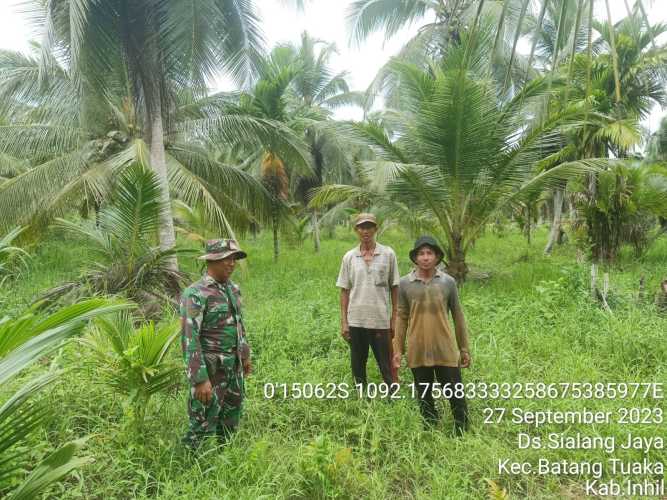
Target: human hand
(204,392)
(247,367)
(465,359)
(345,332)
(397,361)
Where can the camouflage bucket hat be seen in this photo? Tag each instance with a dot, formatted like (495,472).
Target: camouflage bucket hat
(221,249)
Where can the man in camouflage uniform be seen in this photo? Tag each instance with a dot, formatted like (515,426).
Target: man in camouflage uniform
(215,349)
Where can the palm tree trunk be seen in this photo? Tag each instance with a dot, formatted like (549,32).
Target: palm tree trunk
(166,231)
(555,226)
(614,55)
(456,260)
(316,230)
(276,247)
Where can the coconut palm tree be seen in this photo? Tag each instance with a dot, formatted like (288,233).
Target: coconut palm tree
(315,92)
(366,16)
(122,247)
(160,45)
(78,142)
(451,18)
(553,25)
(462,153)
(268,100)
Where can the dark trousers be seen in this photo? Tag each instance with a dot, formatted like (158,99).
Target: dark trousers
(444,375)
(380,342)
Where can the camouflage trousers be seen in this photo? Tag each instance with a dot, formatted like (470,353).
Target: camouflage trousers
(221,416)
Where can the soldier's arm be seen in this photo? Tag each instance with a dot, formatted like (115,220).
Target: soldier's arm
(192,316)
(244,346)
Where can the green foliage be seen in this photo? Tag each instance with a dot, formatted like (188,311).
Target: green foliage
(329,470)
(192,222)
(132,361)
(464,143)
(461,155)
(124,256)
(624,209)
(657,146)
(555,293)
(53,468)
(33,334)
(286,448)
(12,258)
(75,142)
(22,342)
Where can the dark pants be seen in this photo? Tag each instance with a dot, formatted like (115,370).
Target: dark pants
(444,375)
(380,342)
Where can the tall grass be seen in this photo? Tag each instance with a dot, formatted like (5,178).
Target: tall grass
(530,320)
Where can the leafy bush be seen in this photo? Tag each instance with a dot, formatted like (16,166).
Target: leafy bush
(328,468)
(132,360)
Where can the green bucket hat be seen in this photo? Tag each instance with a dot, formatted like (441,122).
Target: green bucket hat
(221,249)
(426,241)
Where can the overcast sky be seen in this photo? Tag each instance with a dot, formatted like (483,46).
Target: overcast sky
(323,19)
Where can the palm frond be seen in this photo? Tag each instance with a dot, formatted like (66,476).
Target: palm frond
(133,217)
(336,193)
(25,340)
(53,468)
(366,16)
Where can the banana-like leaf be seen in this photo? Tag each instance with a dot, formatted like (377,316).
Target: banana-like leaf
(53,468)
(27,339)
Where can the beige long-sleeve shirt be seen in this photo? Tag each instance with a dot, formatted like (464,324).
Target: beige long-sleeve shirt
(423,318)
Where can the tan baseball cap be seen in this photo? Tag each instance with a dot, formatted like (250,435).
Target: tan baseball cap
(365,217)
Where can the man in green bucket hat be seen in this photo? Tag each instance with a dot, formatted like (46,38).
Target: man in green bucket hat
(215,347)
(426,298)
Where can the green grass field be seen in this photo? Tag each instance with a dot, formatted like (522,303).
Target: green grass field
(530,320)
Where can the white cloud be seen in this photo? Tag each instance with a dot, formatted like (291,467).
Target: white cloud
(14,32)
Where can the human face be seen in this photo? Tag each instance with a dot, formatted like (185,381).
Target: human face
(222,269)
(426,258)
(366,232)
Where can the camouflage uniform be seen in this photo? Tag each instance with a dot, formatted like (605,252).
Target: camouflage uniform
(214,345)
